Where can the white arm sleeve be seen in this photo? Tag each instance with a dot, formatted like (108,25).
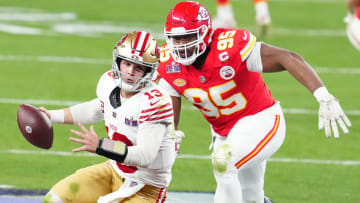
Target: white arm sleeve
(87,112)
(148,141)
(253,62)
(167,87)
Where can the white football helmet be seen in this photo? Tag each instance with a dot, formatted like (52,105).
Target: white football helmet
(138,47)
(188,18)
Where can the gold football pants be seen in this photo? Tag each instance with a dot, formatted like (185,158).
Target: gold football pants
(86,185)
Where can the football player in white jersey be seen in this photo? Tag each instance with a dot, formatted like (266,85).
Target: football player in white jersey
(139,120)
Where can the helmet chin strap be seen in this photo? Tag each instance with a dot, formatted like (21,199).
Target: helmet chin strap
(136,87)
(128,87)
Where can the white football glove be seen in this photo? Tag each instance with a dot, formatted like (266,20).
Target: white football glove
(179,135)
(330,113)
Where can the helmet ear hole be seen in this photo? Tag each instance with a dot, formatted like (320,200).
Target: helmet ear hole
(147,70)
(118,60)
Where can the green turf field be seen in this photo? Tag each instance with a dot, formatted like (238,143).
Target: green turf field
(53,61)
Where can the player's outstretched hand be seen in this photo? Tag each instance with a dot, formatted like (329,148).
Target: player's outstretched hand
(331,114)
(89,139)
(43,109)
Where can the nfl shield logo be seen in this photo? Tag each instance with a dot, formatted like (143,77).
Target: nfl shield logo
(202,79)
(114,114)
(133,184)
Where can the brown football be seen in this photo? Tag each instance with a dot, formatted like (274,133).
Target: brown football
(35,126)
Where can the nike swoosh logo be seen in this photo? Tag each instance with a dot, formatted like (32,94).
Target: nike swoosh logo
(244,37)
(153,103)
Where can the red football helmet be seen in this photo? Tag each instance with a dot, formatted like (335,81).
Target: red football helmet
(190,20)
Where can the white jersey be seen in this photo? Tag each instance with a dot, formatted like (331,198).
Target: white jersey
(150,105)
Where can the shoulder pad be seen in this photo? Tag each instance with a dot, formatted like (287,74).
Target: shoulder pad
(105,85)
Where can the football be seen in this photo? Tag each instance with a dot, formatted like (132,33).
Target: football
(35,126)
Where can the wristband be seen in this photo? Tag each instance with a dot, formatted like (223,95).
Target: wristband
(322,94)
(57,116)
(115,150)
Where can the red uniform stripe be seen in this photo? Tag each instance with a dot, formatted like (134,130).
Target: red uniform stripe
(158,118)
(162,195)
(155,108)
(157,113)
(262,143)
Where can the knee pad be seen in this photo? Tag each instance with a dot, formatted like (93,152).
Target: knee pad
(220,158)
(52,197)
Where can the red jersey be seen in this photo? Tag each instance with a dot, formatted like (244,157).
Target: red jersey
(223,89)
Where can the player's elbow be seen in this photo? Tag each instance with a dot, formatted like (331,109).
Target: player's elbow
(295,56)
(290,59)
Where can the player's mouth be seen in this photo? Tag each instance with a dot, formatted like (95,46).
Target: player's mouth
(182,54)
(129,80)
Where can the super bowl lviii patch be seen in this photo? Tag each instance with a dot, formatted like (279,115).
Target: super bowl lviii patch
(173,68)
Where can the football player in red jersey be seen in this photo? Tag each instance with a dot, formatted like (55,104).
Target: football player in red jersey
(219,72)
(353,23)
(225,16)
(139,122)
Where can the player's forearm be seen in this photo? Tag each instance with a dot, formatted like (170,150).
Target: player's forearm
(301,71)
(85,113)
(147,145)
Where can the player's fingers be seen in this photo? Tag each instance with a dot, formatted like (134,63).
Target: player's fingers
(43,109)
(80,149)
(75,132)
(80,141)
(82,127)
(92,131)
(321,123)
(342,125)
(334,128)
(327,129)
(346,119)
